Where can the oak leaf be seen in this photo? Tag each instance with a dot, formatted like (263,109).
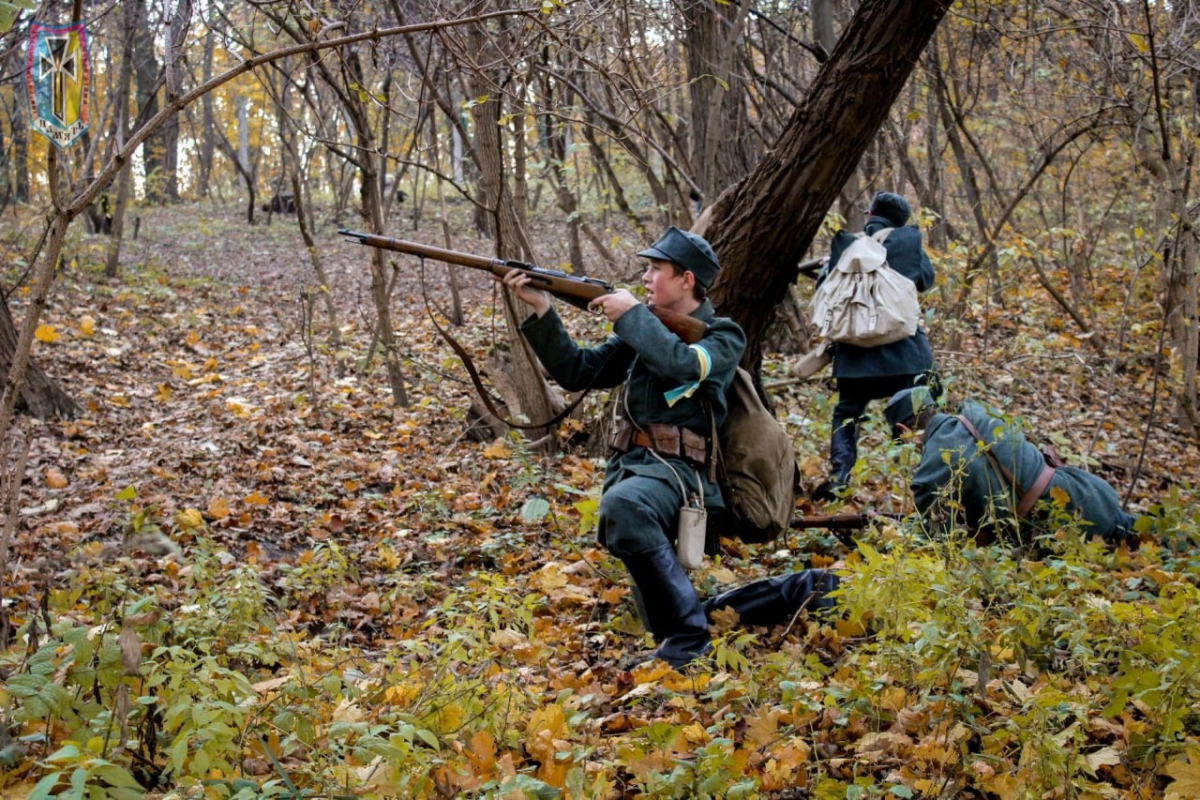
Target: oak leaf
(1186,775)
(762,728)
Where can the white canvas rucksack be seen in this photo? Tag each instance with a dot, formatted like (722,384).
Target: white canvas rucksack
(863,301)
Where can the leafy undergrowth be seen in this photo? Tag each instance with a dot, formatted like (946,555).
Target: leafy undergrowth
(239,574)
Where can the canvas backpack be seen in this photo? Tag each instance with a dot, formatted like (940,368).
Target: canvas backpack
(755,466)
(862,300)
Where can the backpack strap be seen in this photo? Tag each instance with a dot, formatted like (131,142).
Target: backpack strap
(881,234)
(1027,498)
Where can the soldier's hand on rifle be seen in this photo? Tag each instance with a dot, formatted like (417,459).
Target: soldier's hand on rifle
(518,283)
(614,304)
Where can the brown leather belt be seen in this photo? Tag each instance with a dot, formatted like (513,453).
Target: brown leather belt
(666,440)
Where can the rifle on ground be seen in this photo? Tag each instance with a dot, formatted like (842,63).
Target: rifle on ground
(810,268)
(568,288)
(838,524)
(842,522)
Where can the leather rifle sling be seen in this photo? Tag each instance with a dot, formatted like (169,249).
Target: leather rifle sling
(1027,498)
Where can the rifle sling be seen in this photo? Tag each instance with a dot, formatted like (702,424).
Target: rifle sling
(482,391)
(1027,498)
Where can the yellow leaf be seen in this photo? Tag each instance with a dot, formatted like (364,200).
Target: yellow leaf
(1059,496)
(497,449)
(387,557)
(1139,42)
(163,394)
(550,577)
(401,694)
(1186,775)
(848,628)
(55,479)
(87,325)
(695,734)
(218,508)
(763,728)
(190,519)
(193,338)
(46,333)
(450,717)
(507,639)
(256,499)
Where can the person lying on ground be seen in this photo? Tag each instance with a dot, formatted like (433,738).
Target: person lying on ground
(978,471)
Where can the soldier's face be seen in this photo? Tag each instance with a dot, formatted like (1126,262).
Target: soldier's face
(663,287)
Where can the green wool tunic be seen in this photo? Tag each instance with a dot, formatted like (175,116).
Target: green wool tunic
(956,481)
(653,363)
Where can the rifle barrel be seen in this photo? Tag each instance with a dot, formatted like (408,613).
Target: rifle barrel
(572,289)
(840,522)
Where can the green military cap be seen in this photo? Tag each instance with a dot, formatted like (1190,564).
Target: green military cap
(906,405)
(689,251)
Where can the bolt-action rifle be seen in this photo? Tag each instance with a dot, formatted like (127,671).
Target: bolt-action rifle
(838,524)
(842,522)
(569,288)
(810,268)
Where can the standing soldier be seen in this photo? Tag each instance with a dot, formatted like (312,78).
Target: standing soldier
(873,373)
(661,439)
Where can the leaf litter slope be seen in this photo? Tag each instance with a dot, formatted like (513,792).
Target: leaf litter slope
(200,425)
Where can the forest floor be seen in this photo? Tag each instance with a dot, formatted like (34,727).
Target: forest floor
(443,601)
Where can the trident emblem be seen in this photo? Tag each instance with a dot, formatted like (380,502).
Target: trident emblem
(59,62)
(57,81)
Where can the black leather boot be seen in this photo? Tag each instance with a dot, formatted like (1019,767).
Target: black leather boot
(774,601)
(843,452)
(676,617)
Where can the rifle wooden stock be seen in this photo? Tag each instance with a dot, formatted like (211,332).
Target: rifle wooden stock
(568,288)
(841,522)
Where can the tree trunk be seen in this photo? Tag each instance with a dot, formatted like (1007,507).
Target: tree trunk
(20,152)
(554,139)
(208,144)
(531,390)
(129,23)
(762,227)
(172,64)
(40,396)
(146,69)
(721,150)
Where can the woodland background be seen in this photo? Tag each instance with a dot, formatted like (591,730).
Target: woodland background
(260,539)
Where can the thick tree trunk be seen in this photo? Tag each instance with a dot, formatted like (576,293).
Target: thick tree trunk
(720,132)
(762,227)
(172,81)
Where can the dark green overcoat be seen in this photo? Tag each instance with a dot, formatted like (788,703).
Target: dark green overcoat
(955,480)
(910,356)
(654,364)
